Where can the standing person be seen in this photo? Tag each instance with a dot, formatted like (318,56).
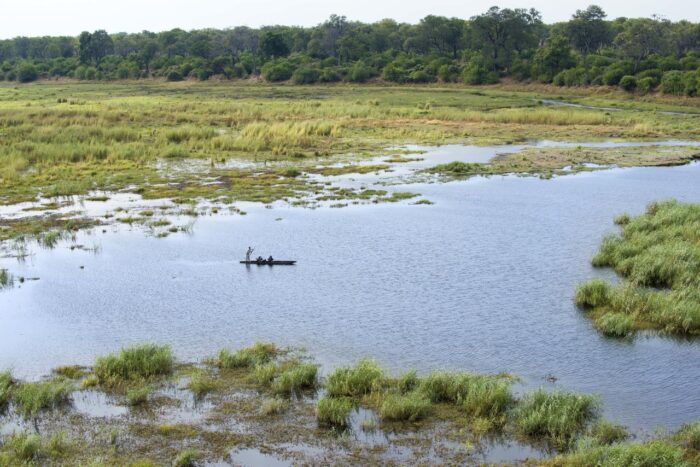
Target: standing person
(248,253)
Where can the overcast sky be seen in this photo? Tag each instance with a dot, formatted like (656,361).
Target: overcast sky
(70,17)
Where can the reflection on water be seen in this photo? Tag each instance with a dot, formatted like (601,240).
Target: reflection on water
(482,280)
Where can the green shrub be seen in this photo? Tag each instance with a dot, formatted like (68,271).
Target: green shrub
(133,363)
(306,75)
(556,417)
(333,411)
(354,381)
(277,70)
(410,407)
(26,72)
(359,73)
(174,75)
(628,83)
(672,83)
(260,353)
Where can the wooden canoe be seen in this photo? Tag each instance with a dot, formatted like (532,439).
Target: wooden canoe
(277,262)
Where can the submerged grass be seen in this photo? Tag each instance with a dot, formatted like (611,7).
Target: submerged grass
(658,256)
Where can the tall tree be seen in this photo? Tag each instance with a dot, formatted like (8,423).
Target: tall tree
(588,30)
(642,37)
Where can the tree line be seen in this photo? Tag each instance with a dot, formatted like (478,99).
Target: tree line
(637,54)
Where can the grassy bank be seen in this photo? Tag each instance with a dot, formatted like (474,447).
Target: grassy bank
(69,138)
(261,397)
(658,256)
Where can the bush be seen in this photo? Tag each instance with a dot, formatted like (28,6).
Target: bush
(333,411)
(394,73)
(476,72)
(645,85)
(613,75)
(360,72)
(279,70)
(354,381)
(420,76)
(405,407)
(26,72)
(306,75)
(134,363)
(556,417)
(330,75)
(628,83)
(672,83)
(174,75)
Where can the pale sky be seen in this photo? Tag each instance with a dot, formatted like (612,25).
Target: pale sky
(70,17)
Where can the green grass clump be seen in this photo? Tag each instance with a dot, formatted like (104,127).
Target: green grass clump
(333,411)
(138,396)
(6,382)
(556,417)
(70,371)
(25,449)
(201,384)
(274,406)
(688,436)
(140,362)
(355,381)
(260,353)
(298,377)
(592,294)
(615,324)
(265,373)
(32,398)
(5,278)
(488,398)
(622,219)
(409,407)
(657,453)
(605,432)
(187,458)
(658,256)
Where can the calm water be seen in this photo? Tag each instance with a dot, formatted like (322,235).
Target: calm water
(482,280)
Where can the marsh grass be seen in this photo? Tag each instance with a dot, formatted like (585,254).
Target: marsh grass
(688,436)
(6,383)
(605,432)
(258,354)
(355,381)
(657,453)
(411,406)
(557,417)
(658,256)
(187,458)
(138,396)
(30,399)
(70,371)
(274,406)
(22,449)
(6,279)
(132,364)
(201,384)
(298,377)
(333,411)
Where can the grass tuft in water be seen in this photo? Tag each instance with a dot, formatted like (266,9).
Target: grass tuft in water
(409,407)
(605,432)
(556,417)
(32,398)
(201,384)
(6,383)
(138,396)
(260,353)
(298,377)
(25,449)
(594,293)
(615,324)
(134,363)
(333,411)
(355,381)
(274,406)
(187,458)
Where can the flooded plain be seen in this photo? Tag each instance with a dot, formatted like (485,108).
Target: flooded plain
(481,280)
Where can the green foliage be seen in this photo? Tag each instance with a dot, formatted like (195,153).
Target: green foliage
(615,324)
(656,453)
(557,417)
(411,407)
(26,72)
(23,449)
(688,436)
(306,75)
(6,383)
(355,381)
(134,363)
(32,398)
(594,293)
(628,83)
(298,377)
(259,354)
(201,384)
(332,411)
(672,83)
(138,395)
(273,406)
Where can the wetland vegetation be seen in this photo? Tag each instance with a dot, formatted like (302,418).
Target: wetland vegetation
(262,396)
(657,256)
